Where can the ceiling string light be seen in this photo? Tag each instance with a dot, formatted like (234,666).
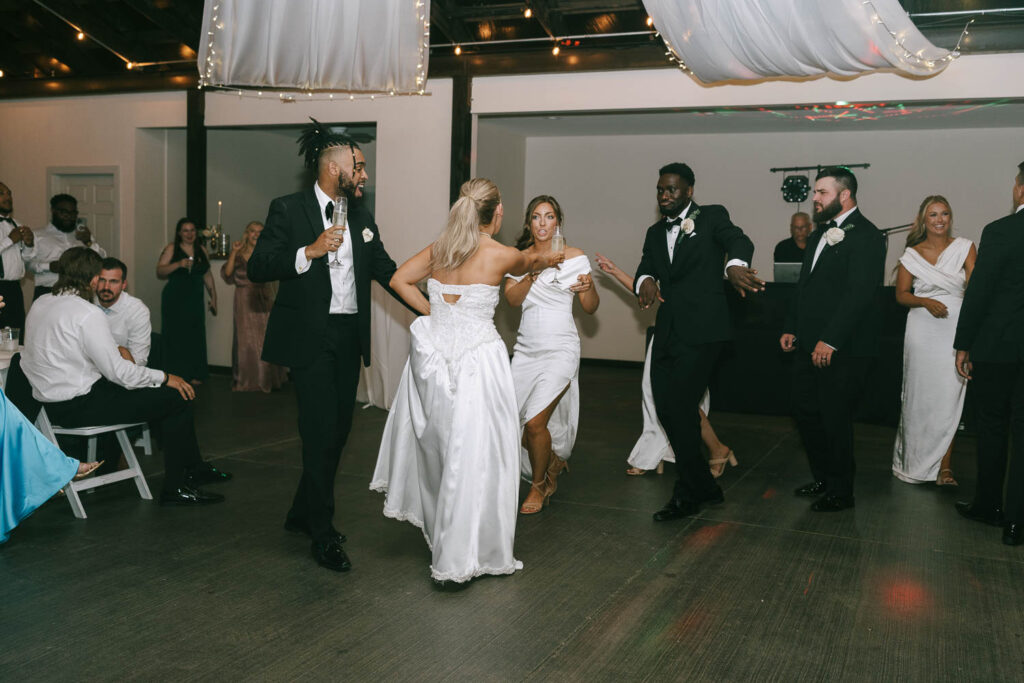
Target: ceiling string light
(906,54)
(423,44)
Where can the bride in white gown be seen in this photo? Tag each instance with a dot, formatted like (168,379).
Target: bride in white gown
(931,278)
(546,357)
(449,457)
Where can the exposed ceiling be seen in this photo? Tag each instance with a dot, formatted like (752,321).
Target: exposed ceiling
(41,52)
(867,116)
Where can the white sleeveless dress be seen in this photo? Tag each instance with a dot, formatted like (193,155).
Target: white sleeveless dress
(652,447)
(546,356)
(933,392)
(449,457)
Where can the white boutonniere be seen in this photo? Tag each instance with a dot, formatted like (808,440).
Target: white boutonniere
(689,225)
(834,236)
(367,235)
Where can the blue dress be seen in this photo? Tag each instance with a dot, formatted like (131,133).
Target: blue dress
(32,469)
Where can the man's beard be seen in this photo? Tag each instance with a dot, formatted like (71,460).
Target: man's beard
(829,212)
(347,186)
(105,296)
(60,227)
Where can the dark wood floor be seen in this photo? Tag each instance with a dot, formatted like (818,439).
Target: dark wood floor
(758,589)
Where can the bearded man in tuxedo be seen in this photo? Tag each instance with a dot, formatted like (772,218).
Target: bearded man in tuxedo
(990,350)
(833,328)
(319,326)
(684,254)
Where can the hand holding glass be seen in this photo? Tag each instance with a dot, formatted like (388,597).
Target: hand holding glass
(338,220)
(557,246)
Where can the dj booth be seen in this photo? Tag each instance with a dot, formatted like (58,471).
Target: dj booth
(753,374)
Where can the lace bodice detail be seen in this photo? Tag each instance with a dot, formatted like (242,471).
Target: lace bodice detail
(458,327)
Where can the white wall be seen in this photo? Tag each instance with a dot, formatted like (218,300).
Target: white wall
(606,187)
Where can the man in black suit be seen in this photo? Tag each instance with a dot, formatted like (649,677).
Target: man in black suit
(319,325)
(990,348)
(833,326)
(681,267)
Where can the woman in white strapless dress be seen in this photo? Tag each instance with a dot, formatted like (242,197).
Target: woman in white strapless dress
(546,357)
(931,278)
(449,457)
(652,449)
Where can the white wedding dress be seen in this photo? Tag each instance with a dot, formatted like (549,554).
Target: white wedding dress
(652,447)
(546,356)
(448,459)
(933,392)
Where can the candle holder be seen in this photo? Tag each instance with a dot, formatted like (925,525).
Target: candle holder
(218,245)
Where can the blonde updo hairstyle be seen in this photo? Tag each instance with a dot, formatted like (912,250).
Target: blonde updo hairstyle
(920,230)
(478,200)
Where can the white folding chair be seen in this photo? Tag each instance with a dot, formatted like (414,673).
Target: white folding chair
(133,471)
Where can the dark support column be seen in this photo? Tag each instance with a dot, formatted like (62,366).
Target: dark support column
(462,133)
(195,157)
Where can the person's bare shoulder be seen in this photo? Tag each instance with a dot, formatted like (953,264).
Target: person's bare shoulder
(573,252)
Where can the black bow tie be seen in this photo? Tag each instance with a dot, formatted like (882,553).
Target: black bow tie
(831,224)
(329,211)
(7,219)
(669,224)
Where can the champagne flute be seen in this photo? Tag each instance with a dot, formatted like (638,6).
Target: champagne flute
(338,220)
(557,245)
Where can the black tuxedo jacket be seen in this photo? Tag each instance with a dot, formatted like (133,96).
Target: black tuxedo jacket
(834,302)
(991,324)
(695,309)
(297,327)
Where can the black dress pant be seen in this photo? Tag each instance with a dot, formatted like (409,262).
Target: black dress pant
(824,401)
(679,378)
(13,312)
(999,410)
(326,393)
(108,403)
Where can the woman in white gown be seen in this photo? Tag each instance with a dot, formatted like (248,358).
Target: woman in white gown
(652,449)
(930,280)
(449,457)
(546,357)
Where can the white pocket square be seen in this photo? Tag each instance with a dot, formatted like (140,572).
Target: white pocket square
(367,235)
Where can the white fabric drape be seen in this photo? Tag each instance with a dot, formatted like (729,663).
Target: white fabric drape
(355,45)
(721,40)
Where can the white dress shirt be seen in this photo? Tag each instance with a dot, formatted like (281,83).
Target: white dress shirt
(50,244)
(822,242)
(68,347)
(13,253)
(671,236)
(130,326)
(343,279)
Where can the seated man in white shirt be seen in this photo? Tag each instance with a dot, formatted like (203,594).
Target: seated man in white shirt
(127,316)
(62,233)
(72,363)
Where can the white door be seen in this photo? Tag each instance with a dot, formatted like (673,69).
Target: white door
(97,203)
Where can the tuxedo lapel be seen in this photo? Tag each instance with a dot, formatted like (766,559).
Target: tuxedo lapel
(355,233)
(311,207)
(682,249)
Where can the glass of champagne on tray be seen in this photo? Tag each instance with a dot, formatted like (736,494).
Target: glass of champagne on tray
(557,245)
(338,221)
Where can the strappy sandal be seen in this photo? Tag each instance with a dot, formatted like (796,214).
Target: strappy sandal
(555,466)
(729,458)
(534,508)
(946,479)
(639,472)
(92,467)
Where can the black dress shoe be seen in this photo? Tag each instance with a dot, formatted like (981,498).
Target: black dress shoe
(188,495)
(206,474)
(676,509)
(812,490)
(1013,533)
(331,555)
(302,528)
(832,503)
(977,513)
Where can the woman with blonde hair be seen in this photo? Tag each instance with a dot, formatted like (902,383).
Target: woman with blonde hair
(449,457)
(546,357)
(930,280)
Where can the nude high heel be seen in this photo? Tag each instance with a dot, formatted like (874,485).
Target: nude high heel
(555,466)
(729,458)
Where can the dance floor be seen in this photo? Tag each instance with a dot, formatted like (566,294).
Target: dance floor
(757,589)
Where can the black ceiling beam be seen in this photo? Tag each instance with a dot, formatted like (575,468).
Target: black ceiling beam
(48,36)
(129,81)
(168,22)
(441,17)
(548,18)
(648,55)
(93,21)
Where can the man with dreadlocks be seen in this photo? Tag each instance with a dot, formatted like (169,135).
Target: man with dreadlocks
(319,326)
